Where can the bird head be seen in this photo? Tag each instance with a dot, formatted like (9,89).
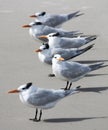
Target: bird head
(40,14)
(31,24)
(58,57)
(42,47)
(21,88)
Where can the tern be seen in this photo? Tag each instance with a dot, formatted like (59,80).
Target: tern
(55,40)
(41,98)
(54,20)
(45,53)
(72,71)
(37,29)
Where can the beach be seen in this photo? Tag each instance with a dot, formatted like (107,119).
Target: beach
(19,64)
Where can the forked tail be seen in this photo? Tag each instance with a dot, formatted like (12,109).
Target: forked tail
(97,66)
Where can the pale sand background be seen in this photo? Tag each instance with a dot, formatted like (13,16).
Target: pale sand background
(19,64)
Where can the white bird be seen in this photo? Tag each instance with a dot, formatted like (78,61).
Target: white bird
(55,40)
(37,29)
(72,71)
(54,20)
(41,98)
(45,53)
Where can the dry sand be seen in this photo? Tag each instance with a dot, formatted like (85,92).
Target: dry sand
(19,64)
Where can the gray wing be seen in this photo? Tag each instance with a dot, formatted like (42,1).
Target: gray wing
(47,30)
(48,60)
(65,53)
(74,70)
(55,20)
(68,43)
(43,97)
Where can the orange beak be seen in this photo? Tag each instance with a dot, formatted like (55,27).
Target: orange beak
(14,91)
(26,26)
(38,50)
(33,16)
(43,36)
(61,59)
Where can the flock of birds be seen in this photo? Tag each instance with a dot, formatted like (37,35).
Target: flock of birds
(58,48)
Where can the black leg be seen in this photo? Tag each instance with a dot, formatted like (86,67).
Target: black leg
(40,115)
(36,113)
(35,119)
(70,85)
(66,85)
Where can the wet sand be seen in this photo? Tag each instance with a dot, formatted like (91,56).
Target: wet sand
(19,64)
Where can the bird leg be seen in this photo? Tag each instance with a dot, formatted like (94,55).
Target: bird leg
(66,85)
(40,115)
(70,85)
(35,119)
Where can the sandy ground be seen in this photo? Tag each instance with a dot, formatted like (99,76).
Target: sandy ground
(19,65)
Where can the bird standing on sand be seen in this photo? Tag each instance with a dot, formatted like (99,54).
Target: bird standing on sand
(72,71)
(40,98)
(55,40)
(45,53)
(54,20)
(37,29)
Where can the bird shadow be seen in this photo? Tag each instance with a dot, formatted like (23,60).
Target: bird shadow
(91,75)
(93,89)
(91,61)
(64,120)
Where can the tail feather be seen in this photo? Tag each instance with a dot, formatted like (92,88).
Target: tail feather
(103,66)
(91,38)
(75,14)
(97,66)
(81,51)
(79,14)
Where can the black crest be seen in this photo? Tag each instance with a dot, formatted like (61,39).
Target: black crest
(47,46)
(43,13)
(38,23)
(28,85)
(57,34)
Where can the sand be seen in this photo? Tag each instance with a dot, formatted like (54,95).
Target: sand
(19,64)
